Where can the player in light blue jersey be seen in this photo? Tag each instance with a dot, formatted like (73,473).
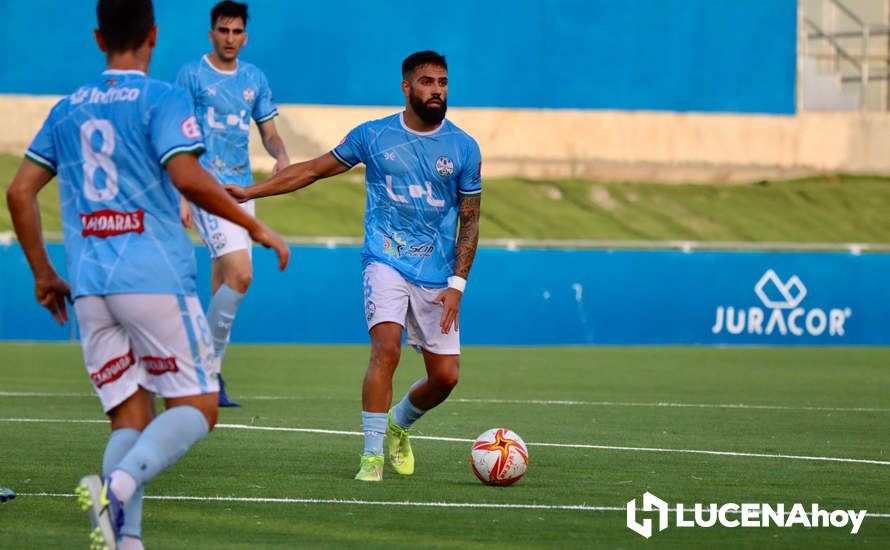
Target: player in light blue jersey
(423,174)
(124,147)
(228,93)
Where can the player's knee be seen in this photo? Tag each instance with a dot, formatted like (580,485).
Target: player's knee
(446,380)
(240,282)
(387,354)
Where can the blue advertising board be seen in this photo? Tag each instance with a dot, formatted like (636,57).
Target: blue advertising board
(552,297)
(674,55)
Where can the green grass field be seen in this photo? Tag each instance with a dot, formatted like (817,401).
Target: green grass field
(837,209)
(627,418)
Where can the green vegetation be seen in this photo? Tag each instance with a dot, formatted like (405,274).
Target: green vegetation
(823,209)
(825,402)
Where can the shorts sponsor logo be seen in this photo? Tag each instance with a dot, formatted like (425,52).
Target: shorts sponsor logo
(218,240)
(781,312)
(444,166)
(190,128)
(159,365)
(370,310)
(106,223)
(733,515)
(113,369)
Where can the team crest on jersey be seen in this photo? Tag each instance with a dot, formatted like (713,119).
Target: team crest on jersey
(249,95)
(444,166)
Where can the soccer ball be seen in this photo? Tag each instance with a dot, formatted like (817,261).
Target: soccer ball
(499,457)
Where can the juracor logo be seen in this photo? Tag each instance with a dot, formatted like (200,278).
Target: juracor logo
(733,515)
(781,312)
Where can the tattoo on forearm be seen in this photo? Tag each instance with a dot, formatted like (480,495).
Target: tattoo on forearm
(467,236)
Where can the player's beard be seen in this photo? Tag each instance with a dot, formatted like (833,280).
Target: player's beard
(430,115)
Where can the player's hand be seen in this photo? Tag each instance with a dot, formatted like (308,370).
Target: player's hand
(51,293)
(185,213)
(280,165)
(450,300)
(270,239)
(237,192)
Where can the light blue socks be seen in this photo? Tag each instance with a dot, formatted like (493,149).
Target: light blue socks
(161,444)
(119,444)
(220,314)
(404,414)
(374,426)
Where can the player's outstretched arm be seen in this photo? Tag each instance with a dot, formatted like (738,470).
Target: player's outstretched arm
(464,253)
(201,188)
(21,198)
(296,176)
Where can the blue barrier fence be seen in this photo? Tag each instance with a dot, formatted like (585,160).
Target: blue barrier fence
(553,297)
(677,55)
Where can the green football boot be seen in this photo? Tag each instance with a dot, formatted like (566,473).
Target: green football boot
(398,448)
(370,468)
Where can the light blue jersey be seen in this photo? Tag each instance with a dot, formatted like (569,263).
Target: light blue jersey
(225,101)
(108,142)
(413,182)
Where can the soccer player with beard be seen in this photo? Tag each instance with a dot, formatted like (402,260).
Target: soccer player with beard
(423,173)
(228,93)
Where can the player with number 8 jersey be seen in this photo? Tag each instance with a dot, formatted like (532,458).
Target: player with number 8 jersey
(96,139)
(124,146)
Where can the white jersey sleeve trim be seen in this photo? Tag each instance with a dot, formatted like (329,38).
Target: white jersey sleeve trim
(40,160)
(193,148)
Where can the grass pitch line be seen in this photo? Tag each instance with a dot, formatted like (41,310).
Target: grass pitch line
(267,500)
(463,440)
(670,405)
(263,500)
(655,404)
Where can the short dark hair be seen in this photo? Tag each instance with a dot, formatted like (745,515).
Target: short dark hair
(125,24)
(228,9)
(418,59)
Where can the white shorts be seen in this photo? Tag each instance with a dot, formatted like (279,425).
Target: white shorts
(158,341)
(390,298)
(219,234)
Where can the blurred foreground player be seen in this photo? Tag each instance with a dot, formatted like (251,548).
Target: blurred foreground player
(121,145)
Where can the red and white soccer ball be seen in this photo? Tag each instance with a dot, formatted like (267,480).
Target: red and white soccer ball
(499,457)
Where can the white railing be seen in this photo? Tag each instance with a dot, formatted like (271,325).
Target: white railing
(861,62)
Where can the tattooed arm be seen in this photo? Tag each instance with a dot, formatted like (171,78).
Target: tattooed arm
(465,252)
(468,236)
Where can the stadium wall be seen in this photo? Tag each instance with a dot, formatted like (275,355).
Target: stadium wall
(674,90)
(551,297)
(614,145)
